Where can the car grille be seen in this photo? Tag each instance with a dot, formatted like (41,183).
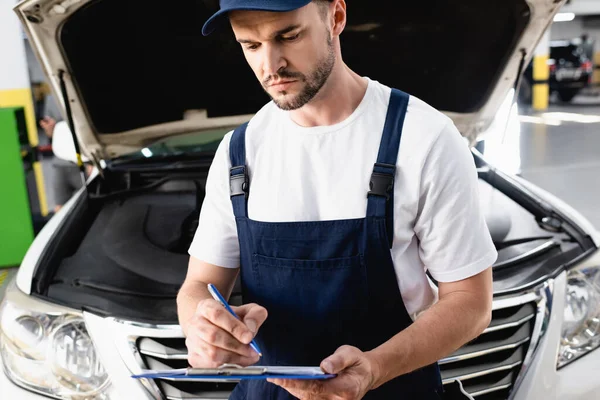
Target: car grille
(167,353)
(487,366)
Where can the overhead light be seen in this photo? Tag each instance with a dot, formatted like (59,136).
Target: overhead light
(564,17)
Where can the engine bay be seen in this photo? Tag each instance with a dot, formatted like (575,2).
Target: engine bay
(125,254)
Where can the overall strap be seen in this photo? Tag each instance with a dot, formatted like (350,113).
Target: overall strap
(380,201)
(239,184)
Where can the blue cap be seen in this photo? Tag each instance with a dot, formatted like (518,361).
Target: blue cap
(254,5)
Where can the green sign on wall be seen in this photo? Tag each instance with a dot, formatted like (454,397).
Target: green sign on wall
(16,228)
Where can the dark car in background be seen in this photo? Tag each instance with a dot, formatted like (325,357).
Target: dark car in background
(571,69)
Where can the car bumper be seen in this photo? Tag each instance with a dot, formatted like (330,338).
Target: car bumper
(581,82)
(568,85)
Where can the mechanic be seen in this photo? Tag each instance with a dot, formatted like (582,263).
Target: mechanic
(335,200)
(67,176)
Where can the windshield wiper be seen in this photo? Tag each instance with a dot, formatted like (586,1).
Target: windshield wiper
(161,158)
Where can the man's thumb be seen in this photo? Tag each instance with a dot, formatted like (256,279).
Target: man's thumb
(253,316)
(342,358)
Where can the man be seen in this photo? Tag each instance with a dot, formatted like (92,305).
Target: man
(334,222)
(66,179)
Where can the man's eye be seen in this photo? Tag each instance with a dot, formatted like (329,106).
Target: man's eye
(252,47)
(291,38)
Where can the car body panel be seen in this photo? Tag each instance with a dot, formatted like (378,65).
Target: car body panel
(39,244)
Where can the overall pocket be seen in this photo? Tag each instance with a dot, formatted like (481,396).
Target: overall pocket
(314,306)
(312,289)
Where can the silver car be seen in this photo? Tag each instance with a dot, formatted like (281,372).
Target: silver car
(149,99)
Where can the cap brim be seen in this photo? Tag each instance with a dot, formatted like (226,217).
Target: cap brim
(265,5)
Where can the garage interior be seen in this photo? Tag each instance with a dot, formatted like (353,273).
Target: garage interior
(547,132)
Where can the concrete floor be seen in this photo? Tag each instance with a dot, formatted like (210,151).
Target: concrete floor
(565,159)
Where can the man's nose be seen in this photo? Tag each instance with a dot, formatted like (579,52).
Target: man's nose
(273,60)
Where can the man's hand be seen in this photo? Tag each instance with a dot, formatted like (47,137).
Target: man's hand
(48,124)
(215,337)
(356,374)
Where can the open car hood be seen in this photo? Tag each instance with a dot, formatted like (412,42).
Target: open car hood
(136,71)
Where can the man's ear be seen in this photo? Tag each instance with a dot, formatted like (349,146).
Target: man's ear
(338,17)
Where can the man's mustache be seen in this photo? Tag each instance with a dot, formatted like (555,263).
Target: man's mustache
(283,75)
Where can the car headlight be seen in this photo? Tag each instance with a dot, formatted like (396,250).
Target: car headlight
(47,349)
(581,325)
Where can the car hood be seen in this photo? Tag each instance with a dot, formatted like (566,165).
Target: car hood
(140,70)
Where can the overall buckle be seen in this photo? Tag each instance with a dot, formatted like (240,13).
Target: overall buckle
(238,183)
(382,183)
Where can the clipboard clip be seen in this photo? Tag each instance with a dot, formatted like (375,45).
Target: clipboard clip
(227,369)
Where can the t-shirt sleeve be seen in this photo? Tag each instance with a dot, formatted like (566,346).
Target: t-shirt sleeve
(454,239)
(216,240)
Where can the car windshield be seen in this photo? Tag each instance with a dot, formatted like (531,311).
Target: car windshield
(205,141)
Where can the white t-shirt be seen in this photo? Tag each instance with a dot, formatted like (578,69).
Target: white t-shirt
(322,173)
(63,146)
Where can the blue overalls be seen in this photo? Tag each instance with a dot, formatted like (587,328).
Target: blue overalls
(326,283)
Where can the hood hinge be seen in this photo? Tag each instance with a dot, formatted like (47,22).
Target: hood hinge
(519,75)
(67,102)
(98,162)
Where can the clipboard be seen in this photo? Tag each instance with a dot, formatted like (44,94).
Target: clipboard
(234,372)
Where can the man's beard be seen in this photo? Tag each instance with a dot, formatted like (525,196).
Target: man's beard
(312,84)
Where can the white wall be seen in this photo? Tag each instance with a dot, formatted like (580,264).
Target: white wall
(13,63)
(582,7)
(573,29)
(36,74)
(566,30)
(35,69)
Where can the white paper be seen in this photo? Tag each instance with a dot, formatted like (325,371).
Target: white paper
(180,371)
(270,369)
(295,370)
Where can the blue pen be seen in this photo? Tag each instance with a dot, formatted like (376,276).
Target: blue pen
(217,296)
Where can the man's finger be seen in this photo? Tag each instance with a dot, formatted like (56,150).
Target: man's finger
(344,357)
(300,386)
(207,356)
(214,312)
(253,315)
(220,338)
(220,356)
